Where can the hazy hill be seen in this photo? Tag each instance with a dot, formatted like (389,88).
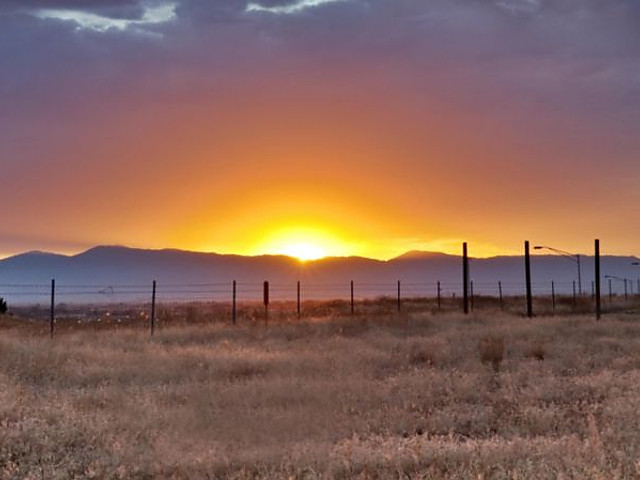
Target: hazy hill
(120,267)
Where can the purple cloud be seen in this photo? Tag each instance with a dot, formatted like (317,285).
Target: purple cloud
(117,9)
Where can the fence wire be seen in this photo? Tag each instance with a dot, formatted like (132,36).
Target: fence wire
(253,291)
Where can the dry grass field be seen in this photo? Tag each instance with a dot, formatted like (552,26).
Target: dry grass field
(488,396)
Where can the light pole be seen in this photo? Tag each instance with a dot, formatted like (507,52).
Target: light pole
(574,257)
(637,264)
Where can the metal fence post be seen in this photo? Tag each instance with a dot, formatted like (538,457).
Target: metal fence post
(52,317)
(153,307)
(597,279)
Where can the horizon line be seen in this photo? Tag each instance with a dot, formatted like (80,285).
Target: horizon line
(75,253)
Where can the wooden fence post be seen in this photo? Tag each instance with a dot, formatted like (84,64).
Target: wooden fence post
(234,312)
(353,310)
(265,299)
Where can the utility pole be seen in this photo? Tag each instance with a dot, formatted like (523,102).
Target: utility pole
(465,278)
(527,269)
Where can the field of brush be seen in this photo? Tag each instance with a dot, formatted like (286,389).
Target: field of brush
(418,396)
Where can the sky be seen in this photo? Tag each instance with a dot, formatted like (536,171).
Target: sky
(320,127)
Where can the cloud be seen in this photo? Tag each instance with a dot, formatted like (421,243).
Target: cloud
(117,9)
(151,15)
(288,8)
(519,6)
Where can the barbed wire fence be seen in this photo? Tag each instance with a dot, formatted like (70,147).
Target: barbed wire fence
(245,301)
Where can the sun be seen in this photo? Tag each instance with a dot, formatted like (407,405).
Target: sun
(305,243)
(304,251)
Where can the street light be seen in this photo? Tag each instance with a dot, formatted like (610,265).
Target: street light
(637,264)
(571,256)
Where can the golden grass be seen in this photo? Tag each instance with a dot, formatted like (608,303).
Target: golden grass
(366,398)
(491,348)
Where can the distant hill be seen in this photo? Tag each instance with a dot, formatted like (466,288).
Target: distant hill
(126,273)
(419,255)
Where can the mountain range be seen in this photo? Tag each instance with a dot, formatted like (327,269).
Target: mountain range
(121,274)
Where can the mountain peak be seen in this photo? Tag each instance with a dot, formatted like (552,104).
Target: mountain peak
(36,254)
(422,255)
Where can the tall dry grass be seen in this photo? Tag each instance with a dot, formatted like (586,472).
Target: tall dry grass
(367,398)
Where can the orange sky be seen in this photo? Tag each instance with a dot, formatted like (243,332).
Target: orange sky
(345,177)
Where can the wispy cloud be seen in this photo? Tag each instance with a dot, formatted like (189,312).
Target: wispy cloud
(288,9)
(153,15)
(519,6)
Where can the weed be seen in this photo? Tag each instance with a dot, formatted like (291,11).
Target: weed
(491,348)
(536,350)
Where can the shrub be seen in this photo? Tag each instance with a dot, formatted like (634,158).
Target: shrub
(491,350)
(536,350)
(420,355)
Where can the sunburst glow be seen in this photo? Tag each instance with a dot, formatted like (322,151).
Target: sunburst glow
(303,243)
(304,251)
